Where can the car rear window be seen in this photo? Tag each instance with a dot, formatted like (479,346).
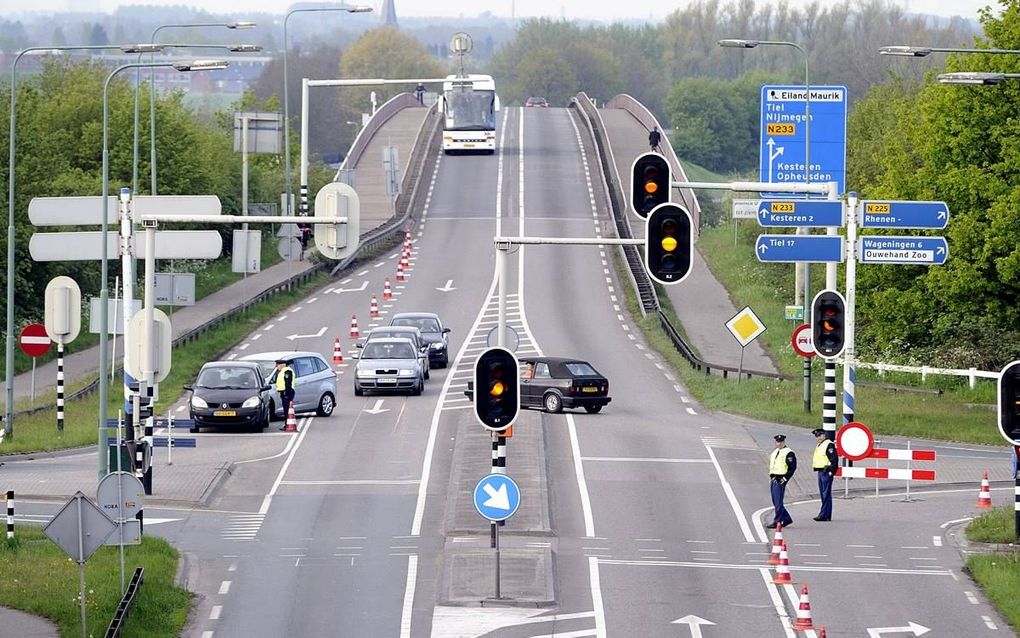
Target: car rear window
(581,369)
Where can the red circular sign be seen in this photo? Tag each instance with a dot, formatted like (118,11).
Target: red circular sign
(801,341)
(34,341)
(855,441)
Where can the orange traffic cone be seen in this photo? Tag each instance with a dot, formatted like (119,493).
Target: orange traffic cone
(405,263)
(291,425)
(803,611)
(338,354)
(355,333)
(387,292)
(821,632)
(985,495)
(400,272)
(777,545)
(783,576)
(407,237)
(373,307)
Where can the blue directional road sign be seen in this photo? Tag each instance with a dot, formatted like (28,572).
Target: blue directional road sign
(783,134)
(800,213)
(920,251)
(795,248)
(497,497)
(904,214)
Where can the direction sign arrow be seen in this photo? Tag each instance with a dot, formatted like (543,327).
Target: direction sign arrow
(448,287)
(693,623)
(364,284)
(912,628)
(498,499)
(317,334)
(903,250)
(887,214)
(794,248)
(800,213)
(378,409)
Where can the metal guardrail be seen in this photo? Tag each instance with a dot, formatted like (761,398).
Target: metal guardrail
(119,616)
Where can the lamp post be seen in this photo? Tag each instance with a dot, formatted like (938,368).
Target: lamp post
(286,107)
(134,48)
(152,41)
(197,65)
(920,52)
(975,77)
(801,269)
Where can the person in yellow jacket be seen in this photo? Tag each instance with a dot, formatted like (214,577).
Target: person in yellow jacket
(285,386)
(824,462)
(782,465)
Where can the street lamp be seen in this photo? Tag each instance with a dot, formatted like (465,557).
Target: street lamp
(920,52)
(975,77)
(286,107)
(125,48)
(152,41)
(104,295)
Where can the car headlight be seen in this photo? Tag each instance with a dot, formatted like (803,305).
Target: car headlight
(361,374)
(406,372)
(253,402)
(438,345)
(198,402)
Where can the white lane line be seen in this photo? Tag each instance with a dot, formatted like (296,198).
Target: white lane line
(408,608)
(862,546)
(243,346)
(582,484)
(215,613)
(853,569)
(312,300)
(732,498)
(691,412)
(971,597)
(596,597)
(224,588)
(959,520)
(777,602)
(642,460)
(207,634)
(269,327)
(256,337)
(305,425)
(936,541)
(988,622)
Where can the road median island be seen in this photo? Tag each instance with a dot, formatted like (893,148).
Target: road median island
(526,572)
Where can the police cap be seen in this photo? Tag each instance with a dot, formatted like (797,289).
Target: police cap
(780,437)
(818,432)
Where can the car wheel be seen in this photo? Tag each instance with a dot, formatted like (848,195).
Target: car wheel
(326,405)
(358,392)
(428,373)
(446,360)
(418,388)
(552,402)
(264,423)
(272,411)
(593,409)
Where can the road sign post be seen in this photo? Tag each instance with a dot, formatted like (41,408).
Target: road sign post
(800,248)
(497,497)
(745,326)
(34,342)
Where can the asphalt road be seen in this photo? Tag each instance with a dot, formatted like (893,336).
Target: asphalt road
(650,511)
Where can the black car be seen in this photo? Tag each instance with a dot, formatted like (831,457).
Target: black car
(432,333)
(230,393)
(554,383)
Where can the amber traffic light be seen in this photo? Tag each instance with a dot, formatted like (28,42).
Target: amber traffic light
(649,183)
(828,323)
(496,389)
(669,243)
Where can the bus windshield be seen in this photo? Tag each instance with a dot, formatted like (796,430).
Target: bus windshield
(470,110)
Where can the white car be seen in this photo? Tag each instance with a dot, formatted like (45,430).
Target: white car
(314,381)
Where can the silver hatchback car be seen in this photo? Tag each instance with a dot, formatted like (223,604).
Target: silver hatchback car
(314,381)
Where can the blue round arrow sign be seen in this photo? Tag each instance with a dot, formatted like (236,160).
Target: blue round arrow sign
(497,497)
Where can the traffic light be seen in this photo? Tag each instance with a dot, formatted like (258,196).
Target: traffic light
(669,243)
(497,389)
(828,321)
(650,183)
(1009,402)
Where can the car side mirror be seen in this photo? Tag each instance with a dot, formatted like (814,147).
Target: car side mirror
(445,330)
(359,345)
(189,387)
(267,387)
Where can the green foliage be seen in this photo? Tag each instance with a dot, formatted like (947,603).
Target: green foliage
(997,525)
(959,145)
(999,577)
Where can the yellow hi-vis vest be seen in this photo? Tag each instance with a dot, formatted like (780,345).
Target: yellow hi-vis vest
(281,382)
(820,461)
(777,462)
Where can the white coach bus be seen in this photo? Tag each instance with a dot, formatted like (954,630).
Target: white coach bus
(469,104)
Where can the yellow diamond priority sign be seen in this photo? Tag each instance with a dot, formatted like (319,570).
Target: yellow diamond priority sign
(745,326)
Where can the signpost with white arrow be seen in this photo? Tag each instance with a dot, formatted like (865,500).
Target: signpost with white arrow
(497,498)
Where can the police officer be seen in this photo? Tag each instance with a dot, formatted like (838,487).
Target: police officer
(824,462)
(285,386)
(782,465)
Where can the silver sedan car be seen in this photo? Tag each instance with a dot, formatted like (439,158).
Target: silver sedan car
(388,364)
(314,381)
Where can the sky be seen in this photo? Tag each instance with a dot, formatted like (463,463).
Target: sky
(569,9)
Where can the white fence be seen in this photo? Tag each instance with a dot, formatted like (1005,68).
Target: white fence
(972,374)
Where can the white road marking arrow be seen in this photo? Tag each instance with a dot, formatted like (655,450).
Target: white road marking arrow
(694,623)
(378,409)
(448,287)
(321,331)
(498,499)
(364,285)
(912,628)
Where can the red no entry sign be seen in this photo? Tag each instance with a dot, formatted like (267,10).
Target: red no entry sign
(34,341)
(855,441)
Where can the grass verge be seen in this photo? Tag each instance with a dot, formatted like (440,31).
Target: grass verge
(999,577)
(38,432)
(40,579)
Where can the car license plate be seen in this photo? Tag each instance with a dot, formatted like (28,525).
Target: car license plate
(224,413)
(386,381)
(590,389)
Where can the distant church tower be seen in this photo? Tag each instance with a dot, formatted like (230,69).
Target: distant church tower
(388,15)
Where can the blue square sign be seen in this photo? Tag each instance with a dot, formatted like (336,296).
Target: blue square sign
(785,134)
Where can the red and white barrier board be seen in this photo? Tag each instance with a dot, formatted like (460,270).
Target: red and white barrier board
(886,473)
